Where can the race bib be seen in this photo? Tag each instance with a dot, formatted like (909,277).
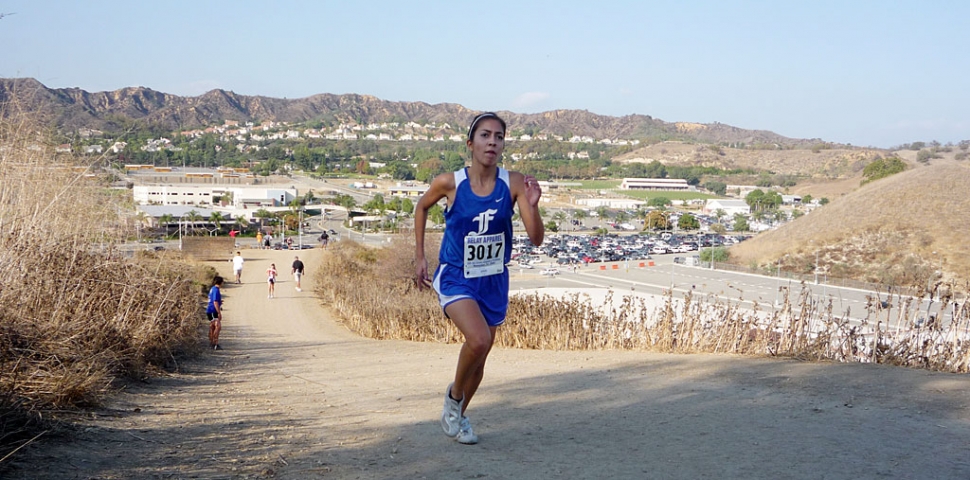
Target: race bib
(484,255)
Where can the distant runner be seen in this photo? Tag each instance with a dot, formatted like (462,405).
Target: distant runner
(297,272)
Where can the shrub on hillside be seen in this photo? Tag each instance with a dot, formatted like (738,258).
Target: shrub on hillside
(882,168)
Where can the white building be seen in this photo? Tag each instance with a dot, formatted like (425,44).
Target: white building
(730,207)
(615,203)
(243,197)
(678,184)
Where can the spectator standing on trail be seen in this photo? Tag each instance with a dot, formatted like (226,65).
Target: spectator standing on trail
(214,312)
(237,266)
(269,240)
(472,280)
(297,272)
(324,238)
(271,280)
(259,240)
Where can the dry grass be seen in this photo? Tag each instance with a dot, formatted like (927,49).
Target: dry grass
(898,230)
(826,163)
(372,290)
(75,313)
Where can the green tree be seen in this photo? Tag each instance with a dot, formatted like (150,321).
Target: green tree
(559,217)
(263,215)
(754,199)
(806,198)
(658,202)
(772,200)
(688,222)
(760,201)
(436,214)
(657,220)
(376,204)
(719,214)
(551,226)
(193,217)
(216,219)
(741,223)
(242,223)
(580,214)
(823,201)
(165,220)
(401,171)
(603,212)
(718,254)
(407,206)
(718,188)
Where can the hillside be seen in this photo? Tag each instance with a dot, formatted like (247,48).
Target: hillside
(73,108)
(828,163)
(901,229)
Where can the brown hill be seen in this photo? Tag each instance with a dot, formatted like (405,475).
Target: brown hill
(827,162)
(72,108)
(897,230)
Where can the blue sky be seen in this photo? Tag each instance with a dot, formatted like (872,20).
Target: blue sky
(866,72)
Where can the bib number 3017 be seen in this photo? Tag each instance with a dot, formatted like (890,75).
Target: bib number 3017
(484,255)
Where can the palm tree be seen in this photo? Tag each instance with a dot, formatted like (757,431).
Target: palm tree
(262,214)
(559,217)
(603,212)
(193,218)
(580,214)
(141,218)
(216,219)
(719,214)
(309,197)
(165,219)
(242,223)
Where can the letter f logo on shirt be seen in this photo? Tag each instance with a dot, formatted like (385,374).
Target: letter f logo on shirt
(482,219)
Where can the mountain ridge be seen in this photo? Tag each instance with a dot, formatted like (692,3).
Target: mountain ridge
(74,108)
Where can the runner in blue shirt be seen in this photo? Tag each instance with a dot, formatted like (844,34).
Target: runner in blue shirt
(471,280)
(214,312)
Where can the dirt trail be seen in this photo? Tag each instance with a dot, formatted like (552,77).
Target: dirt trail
(294,395)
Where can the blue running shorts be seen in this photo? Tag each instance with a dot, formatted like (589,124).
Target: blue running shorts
(490,292)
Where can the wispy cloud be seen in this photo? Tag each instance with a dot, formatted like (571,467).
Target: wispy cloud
(530,100)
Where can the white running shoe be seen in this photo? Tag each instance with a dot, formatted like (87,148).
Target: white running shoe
(451,414)
(465,433)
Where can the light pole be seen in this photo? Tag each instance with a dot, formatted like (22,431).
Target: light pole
(672,276)
(816,267)
(777,284)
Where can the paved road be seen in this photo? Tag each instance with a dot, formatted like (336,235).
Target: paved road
(767,292)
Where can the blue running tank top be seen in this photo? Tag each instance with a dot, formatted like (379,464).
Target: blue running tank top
(478,230)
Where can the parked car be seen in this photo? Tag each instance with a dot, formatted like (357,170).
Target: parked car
(549,271)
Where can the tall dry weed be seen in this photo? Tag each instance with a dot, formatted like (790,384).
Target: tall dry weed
(372,291)
(76,314)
